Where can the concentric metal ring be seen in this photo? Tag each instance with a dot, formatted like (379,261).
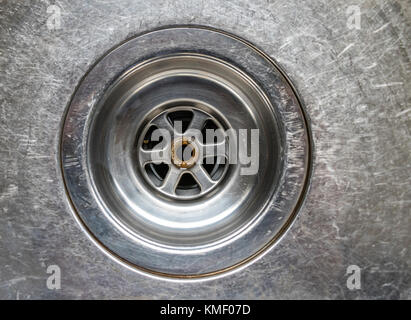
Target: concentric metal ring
(187,235)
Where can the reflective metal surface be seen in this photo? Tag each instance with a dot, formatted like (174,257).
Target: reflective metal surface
(147,217)
(355,84)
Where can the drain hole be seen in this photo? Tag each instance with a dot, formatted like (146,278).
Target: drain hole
(216,168)
(157,172)
(187,185)
(185,152)
(209,124)
(148,144)
(183,116)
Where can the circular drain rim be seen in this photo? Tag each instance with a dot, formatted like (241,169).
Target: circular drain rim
(180,79)
(81,103)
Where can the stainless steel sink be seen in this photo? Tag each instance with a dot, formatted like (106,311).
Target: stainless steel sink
(86,227)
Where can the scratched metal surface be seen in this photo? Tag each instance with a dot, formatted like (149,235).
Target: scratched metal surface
(356,87)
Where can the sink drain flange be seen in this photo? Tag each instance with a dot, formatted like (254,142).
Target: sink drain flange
(181,217)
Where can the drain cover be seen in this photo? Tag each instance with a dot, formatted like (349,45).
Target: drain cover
(185,153)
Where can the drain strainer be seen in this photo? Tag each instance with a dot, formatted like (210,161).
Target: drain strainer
(185,153)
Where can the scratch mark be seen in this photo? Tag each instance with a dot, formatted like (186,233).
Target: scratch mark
(10,191)
(382,27)
(390,84)
(345,49)
(285,44)
(399,114)
(371,66)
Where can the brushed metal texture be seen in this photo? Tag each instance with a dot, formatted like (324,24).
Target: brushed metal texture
(355,84)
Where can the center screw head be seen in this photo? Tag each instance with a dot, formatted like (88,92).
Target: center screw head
(178,150)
